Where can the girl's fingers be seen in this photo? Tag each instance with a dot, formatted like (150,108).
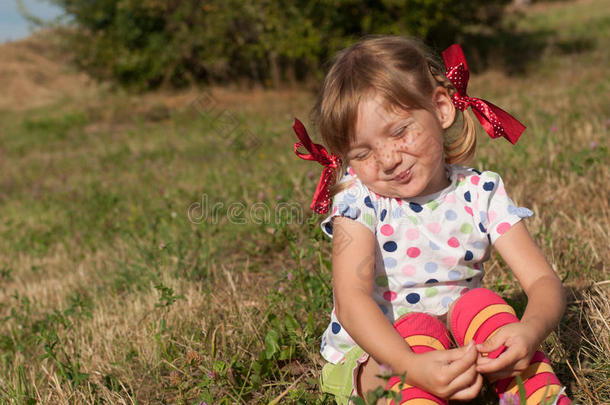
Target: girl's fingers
(464,379)
(491,344)
(469,392)
(503,362)
(461,360)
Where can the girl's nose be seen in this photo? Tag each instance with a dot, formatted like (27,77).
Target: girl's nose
(388,160)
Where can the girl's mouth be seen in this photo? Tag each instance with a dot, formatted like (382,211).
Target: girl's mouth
(403,177)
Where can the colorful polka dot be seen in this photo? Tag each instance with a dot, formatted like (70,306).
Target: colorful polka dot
(434,227)
(384,309)
(336,328)
(492,216)
(335,357)
(413,298)
(466,228)
(389,262)
(431,291)
(415,207)
(475,180)
(453,242)
(381,281)
(387,230)
(449,261)
(431,281)
(402,311)
(368,202)
(390,246)
(503,227)
(389,295)
(479,245)
(454,275)
(328,228)
(368,219)
(397,213)
(467,196)
(432,205)
(433,246)
(409,284)
(450,215)
(489,185)
(469,255)
(383,214)
(412,233)
(431,267)
(408,270)
(349,197)
(413,252)
(468,210)
(446,301)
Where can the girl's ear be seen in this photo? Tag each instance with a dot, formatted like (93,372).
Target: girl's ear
(445,110)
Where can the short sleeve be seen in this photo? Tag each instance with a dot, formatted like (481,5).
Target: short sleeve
(500,212)
(355,202)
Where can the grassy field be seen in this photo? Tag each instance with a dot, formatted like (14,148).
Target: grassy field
(158,248)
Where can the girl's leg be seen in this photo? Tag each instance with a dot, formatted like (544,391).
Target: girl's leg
(423,333)
(477,315)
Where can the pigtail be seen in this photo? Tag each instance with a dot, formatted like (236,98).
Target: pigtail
(462,148)
(339,187)
(458,148)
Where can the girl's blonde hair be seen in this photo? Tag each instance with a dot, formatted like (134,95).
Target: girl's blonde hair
(402,71)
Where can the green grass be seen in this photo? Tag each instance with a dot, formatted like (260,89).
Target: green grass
(112,293)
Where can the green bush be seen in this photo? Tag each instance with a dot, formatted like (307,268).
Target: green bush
(147,43)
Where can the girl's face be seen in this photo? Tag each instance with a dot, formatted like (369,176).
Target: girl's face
(399,153)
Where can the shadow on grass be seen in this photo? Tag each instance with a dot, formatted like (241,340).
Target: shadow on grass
(513,51)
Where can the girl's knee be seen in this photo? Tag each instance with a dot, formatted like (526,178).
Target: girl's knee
(477,313)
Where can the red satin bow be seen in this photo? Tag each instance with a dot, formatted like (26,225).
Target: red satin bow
(495,120)
(317,152)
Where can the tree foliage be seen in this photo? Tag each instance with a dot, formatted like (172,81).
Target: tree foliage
(147,43)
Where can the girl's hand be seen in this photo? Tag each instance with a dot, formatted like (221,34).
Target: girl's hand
(521,344)
(446,373)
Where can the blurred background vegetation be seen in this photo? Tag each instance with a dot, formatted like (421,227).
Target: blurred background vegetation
(149,43)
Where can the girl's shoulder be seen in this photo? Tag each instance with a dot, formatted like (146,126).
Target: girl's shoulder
(468,177)
(355,201)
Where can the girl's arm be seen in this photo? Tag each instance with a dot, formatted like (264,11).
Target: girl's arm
(447,373)
(545,305)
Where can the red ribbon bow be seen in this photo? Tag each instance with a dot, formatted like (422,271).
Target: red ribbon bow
(317,152)
(495,120)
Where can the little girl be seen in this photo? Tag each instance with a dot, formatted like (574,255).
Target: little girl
(411,230)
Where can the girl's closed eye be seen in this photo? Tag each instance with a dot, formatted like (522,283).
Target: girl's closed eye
(360,155)
(403,129)
(400,132)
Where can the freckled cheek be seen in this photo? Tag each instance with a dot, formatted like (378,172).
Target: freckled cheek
(365,170)
(412,142)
